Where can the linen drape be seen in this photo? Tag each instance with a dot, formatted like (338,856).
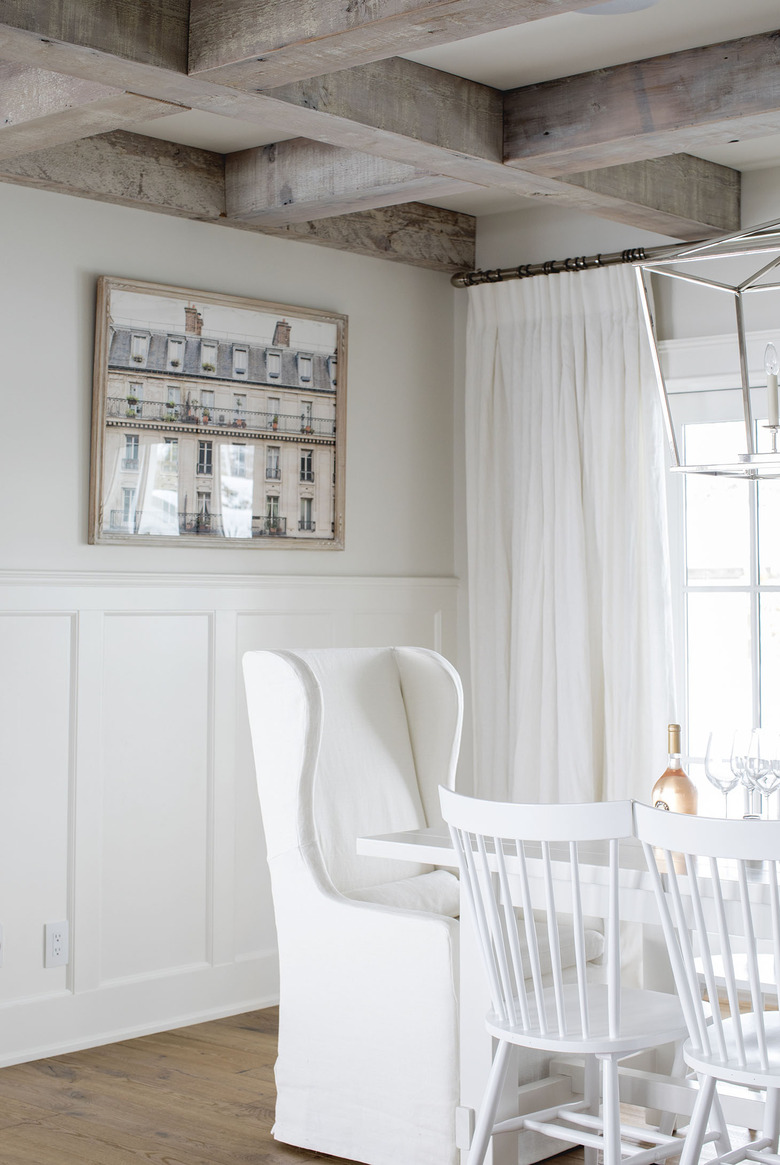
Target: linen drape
(569,593)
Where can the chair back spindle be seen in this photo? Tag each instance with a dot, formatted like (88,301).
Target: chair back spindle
(509,857)
(711,879)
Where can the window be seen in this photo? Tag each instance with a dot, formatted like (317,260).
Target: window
(306,522)
(204,510)
(207,399)
(239,410)
(171,455)
(273,470)
(725,539)
(238,460)
(205,457)
(139,346)
(240,361)
(130,459)
(208,356)
(307,472)
(173,398)
(135,397)
(306,416)
(274,365)
(273,410)
(128,508)
(333,365)
(304,369)
(176,354)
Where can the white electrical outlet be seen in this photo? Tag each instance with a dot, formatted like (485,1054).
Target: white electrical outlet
(56,943)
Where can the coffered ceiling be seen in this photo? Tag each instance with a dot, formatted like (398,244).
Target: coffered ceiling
(381,128)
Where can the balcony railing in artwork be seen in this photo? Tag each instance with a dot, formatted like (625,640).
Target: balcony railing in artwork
(193,523)
(306,524)
(287,424)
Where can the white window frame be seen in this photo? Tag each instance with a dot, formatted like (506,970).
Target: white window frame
(175,352)
(303,360)
(208,355)
(240,361)
(273,364)
(700,391)
(205,459)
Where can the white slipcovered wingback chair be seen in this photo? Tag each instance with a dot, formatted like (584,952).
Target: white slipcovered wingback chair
(351,742)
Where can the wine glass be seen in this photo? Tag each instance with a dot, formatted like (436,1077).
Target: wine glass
(751,760)
(740,750)
(770,782)
(717,765)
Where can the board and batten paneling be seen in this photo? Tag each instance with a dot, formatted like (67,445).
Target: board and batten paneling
(128,787)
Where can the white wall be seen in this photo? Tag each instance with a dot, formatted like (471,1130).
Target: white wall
(125,775)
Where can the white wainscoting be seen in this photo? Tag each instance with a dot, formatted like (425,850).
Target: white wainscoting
(128,800)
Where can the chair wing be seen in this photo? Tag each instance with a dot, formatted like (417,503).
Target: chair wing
(351,742)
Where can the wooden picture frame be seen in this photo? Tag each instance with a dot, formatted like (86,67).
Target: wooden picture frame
(217,420)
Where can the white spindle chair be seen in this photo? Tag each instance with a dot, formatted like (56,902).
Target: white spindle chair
(711,877)
(505,851)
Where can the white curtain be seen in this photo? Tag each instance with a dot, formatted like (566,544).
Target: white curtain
(568,558)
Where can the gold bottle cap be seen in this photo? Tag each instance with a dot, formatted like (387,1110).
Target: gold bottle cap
(674,739)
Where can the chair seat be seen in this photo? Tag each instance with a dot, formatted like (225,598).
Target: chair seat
(751,1073)
(648,1018)
(437,892)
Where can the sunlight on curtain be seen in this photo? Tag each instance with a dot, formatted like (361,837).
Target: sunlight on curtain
(570,610)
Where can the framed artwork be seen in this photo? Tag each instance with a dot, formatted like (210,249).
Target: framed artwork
(216,420)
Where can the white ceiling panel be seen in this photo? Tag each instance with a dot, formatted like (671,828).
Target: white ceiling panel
(573,42)
(208,131)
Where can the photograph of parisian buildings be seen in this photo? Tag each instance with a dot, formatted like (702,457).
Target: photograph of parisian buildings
(219,422)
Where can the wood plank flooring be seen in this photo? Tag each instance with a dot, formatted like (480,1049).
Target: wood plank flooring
(201,1095)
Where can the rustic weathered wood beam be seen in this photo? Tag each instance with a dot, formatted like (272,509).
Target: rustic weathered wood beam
(454,126)
(151,32)
(685,196)
(646,109)
(268,42)
(330,111)
(40,109)
(300,180)
(148,174)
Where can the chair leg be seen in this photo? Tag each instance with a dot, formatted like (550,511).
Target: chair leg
(699,1120)
(718,1120)
(669,1119)
(486,1116)
(772,1118)
(611,1110)
(592,1096)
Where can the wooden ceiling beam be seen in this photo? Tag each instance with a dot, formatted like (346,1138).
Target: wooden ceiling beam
(683,196)
(262,43)
(148,174)
(150,32)
(300,180)
(646,109)
(39,109)
(396,110)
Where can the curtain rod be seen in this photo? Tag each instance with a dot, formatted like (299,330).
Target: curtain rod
(556,266)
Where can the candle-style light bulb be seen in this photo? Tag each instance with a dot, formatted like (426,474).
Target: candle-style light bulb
(772,368)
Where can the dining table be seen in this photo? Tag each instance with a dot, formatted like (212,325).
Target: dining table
(538,1079)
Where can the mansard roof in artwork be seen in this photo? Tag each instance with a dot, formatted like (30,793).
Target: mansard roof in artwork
(215,358)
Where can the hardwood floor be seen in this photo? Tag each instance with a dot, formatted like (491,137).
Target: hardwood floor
(201,1095)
